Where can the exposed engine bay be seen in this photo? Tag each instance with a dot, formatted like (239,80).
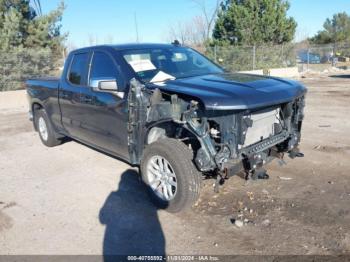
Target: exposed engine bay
(223,141)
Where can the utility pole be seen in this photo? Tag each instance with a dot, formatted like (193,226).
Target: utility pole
(136,29)
(254,56)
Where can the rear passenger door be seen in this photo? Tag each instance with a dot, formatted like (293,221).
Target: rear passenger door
(73,81)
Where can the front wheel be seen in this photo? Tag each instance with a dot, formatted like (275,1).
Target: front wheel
(170,175)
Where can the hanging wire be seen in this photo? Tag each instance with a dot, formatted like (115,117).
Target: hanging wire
(37,7)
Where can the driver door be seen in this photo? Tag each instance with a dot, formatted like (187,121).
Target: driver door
(104,113)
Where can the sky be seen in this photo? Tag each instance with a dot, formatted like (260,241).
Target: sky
(114,20)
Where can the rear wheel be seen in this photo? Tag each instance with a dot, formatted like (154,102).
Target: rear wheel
(172,179)
(46,133)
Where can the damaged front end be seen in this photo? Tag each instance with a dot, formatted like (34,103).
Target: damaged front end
(255,137)
(223,141)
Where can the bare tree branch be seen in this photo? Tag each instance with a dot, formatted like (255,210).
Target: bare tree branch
(92,40)
(196,31)
(192,33)
(208,14)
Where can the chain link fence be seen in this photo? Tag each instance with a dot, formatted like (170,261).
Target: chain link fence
(17,67)
(324,57)
(244,58)
(305,57)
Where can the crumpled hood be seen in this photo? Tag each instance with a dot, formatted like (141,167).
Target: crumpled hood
(236,91)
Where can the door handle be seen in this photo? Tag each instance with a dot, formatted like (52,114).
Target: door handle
(86,99)
(64,95)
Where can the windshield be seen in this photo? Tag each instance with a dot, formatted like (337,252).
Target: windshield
(161,64)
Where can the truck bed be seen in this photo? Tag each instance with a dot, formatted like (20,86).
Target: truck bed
(48,82)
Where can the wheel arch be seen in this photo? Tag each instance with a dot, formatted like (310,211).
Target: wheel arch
(170,127)
(36,105)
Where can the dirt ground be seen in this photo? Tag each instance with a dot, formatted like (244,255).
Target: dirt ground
(72,199)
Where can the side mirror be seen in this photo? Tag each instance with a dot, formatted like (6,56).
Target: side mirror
(104,85)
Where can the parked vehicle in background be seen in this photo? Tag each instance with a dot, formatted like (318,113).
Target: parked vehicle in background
(308,58)
(172,112)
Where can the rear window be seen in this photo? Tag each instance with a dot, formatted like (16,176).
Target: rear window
(78,69)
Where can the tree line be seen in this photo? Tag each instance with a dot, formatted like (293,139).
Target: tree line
(31,44)
(255,34)
(252,23)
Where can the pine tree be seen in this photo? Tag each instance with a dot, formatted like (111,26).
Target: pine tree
(335,30)
(254,22)
(30,45)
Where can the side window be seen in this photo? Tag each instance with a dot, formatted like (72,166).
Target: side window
(78,69)
(102,67)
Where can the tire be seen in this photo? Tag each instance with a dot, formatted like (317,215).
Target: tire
(42,123)
(183,173)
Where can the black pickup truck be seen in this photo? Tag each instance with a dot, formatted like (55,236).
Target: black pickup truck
(172,112)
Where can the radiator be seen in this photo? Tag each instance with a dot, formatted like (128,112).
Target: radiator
(263,126)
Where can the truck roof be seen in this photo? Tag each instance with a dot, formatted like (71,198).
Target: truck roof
(128,46)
